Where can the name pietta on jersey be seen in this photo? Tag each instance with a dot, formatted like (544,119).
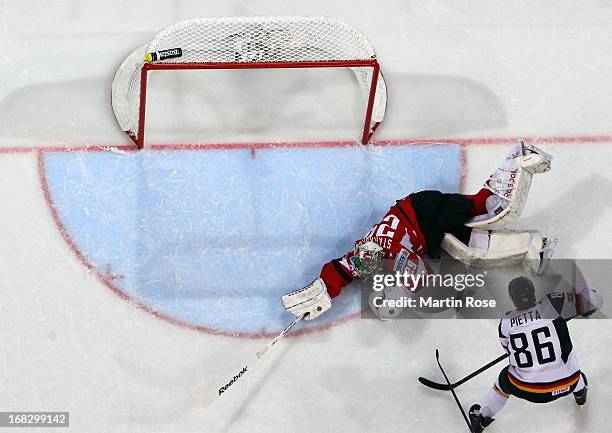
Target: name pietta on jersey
(528,316)
(231,382)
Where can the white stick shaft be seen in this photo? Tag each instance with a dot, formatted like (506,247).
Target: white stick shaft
(205,399)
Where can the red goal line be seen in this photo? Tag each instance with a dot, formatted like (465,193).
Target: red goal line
(465,141)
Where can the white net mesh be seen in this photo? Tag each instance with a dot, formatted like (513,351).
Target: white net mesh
(250,40)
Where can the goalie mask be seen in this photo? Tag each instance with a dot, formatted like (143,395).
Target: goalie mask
(368,259)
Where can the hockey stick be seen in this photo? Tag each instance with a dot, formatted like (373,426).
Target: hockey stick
(453,392)
(205,399)
(449,387)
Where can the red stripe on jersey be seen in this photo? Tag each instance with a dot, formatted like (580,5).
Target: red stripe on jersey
(544,387)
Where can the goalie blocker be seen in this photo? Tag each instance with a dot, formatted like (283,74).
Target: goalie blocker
(311,300)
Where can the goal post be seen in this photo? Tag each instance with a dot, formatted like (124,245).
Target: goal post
(249,43)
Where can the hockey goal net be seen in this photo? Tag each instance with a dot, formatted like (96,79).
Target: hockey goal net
(249,43)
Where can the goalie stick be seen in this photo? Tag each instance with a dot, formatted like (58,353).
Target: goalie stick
(205,399)
(449,386)
(453,392)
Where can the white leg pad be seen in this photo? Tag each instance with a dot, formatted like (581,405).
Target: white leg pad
(510,185)
(501,248)
(507,204)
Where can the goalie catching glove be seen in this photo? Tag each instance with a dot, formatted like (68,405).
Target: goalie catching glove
(311,300)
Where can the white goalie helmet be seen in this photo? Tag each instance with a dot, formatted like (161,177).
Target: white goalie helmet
(368,258)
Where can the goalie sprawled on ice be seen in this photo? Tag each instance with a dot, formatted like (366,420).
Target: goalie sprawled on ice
(470,228)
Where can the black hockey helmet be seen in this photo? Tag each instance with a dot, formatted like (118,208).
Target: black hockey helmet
(522,292)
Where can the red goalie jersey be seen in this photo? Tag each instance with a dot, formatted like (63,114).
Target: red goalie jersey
(413,227)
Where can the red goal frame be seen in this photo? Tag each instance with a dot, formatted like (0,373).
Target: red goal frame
(368,129)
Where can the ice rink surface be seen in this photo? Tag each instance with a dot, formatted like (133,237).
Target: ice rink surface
(125,276)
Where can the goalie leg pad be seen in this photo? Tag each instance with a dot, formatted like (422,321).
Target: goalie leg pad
(507,204)
(538,257)
(502,248)
(533,159)
(312,300)
(510,185)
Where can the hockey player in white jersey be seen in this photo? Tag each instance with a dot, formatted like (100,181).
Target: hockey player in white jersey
(543,365)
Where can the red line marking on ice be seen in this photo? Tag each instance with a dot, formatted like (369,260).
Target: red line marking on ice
(562,139)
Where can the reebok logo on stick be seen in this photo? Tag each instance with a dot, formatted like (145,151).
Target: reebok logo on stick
(231,382)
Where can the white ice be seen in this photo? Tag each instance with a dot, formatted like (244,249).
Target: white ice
(455,71)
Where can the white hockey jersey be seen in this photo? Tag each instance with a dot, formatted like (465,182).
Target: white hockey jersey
(538,340)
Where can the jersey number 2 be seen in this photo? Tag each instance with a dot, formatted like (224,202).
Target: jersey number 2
(387,227)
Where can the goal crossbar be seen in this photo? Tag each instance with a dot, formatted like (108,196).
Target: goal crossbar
(368,127)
